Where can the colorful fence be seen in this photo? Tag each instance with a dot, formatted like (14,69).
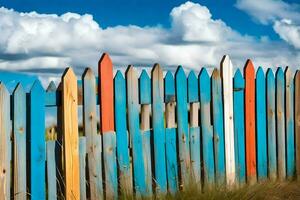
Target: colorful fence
(157,135)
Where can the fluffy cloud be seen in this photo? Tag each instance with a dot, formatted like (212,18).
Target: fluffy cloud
(284,17)
(45,44)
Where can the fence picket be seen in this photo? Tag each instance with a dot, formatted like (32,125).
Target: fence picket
(134,131)
(297,122)
(171,140)
(272,157)
(289,116)
(217,112)
(239,126)
(280,119)
(206,129)
(51,170)
(93,140)
(182,127)
(5,143)
(226,70)
(261,126)
(82,157)
(145,100)
(70,135)
(37,141)
(193,99)
(125,174)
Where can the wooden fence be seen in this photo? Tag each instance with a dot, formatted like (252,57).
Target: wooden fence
(157,134)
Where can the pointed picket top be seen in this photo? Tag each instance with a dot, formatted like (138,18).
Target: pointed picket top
(105,62)
(131,72)
(145,88)
(169,88)
(119,75)
(297,74)
(88,74)
(204,75)
(69,74)
(279,72)
(238,79)
(193,90)
(288,72)
(216,74)
(226,65)
(3,88)
(260,73)
(249,67)
(157,73)
(51,87)
(270,74)
(37,86)
(18,89)
(180,73)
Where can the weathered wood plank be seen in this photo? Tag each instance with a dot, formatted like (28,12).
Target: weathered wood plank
(93,140)
(239,126)
(182,129)
(124,163)
(5,143)
(193,99)
(297,122)
(159,136)
(145,100)
(171,139)
(37,141)
(289,116)
(134,131)
(226,71)
(272,158)
(206,129)
(19,142)
(82,156)
(249,74)
(218,128)
(261,125)
(51,170)
(70,135)
(280,119)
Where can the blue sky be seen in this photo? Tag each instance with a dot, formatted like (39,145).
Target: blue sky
(43,37)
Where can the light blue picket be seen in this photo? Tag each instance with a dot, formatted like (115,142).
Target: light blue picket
(239,126)
(261,125)
(19,142)
(171,140)
(289,116)
(272,157)
(217,112)
(51,170)
(159,136)
(193,99)
(82,165)
(145,100)
(5,143)
(125,175)
(93,140)
(37,141)
(182,127)
(134,131)
(206,129)
(280,118)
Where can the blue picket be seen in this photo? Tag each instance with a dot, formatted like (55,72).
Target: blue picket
(182,126)
(171,140)
(125,176)
(19,142)
(51,170)
(272,157)
(217,112)
(193,90)
(280,118)
(289,116)
(239,126)
(261,125)
(82,163)
(145,88)
(206,128)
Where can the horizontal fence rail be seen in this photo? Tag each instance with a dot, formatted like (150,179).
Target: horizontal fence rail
(146,134)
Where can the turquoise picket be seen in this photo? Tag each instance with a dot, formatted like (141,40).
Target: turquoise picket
(19,143)
(272,158)
(289,116)
(37,141)
(206,129)
(93,139)
(145,100)
(125,175)
(182,126)
(218,121)
(239,126)
(51,170)
(171,140)
(82,165)
(280,118)
(158,129)
(193,99)
(134,131)
(261,126)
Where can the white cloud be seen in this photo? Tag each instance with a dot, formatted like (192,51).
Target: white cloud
(284,17)
(43,43)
